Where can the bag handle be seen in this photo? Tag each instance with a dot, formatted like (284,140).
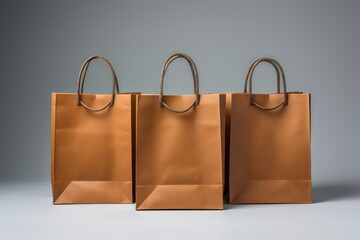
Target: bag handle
(195,76)
(81,79)
(280,74)
(277,75)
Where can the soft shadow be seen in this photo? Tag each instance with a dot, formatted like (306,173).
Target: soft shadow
(327,193)
(323,193)
(228,206)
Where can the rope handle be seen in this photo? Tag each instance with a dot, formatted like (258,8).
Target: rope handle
(81,80)
(280,75)
(195,76)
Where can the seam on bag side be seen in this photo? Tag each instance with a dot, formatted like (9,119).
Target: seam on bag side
(137,104)
(222,144)
(53,139)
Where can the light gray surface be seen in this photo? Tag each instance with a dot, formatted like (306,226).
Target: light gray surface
(27,213)
(43,44)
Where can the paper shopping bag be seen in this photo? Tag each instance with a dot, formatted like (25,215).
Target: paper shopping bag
(180,148)
(92,144)
(269,144)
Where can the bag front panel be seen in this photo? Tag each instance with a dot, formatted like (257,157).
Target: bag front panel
(180,149)
(270,149)
(92,148)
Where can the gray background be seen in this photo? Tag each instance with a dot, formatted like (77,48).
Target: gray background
(43,44)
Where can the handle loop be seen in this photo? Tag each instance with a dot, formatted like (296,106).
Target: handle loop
(195,76)
(280,74)
(81,79)
(277,76)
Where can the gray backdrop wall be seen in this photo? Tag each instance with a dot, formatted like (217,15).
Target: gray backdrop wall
(43,44)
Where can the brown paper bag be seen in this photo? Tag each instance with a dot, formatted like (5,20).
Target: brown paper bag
(270,145)
(91,159)
(180,153)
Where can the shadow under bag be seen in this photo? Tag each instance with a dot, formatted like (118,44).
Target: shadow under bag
(91,157)
(270,157)
(180,153)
